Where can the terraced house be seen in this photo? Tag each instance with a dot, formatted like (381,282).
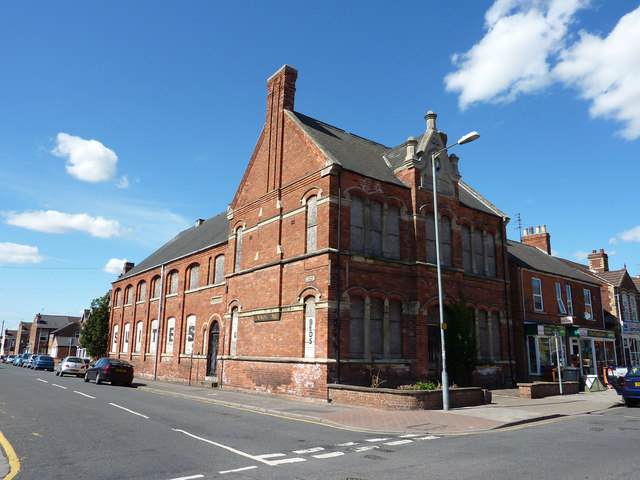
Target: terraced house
(322,269)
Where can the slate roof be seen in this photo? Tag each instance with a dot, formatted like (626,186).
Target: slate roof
(55,322)
(533,258)
(614,277)
(210,233)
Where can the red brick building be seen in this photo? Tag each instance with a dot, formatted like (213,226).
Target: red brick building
(322,270)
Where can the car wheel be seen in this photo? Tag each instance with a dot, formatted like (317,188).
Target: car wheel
(98,379)
(57,373)
(128,384)
(86,377)
(61,374)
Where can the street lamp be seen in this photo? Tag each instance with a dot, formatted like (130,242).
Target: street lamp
(469,137)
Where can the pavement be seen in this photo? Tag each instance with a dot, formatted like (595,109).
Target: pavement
(506,410)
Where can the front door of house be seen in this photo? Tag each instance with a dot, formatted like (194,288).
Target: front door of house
(212,359)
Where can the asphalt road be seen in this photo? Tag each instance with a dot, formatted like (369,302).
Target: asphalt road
(66,428)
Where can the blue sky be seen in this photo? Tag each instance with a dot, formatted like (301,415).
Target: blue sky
(121,123)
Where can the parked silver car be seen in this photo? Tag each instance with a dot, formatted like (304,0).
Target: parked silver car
(71,366)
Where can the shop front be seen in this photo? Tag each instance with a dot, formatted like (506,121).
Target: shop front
(592,350)
(544,344)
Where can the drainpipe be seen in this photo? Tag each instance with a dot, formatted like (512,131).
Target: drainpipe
(338,282)
(160,300)
(505,259)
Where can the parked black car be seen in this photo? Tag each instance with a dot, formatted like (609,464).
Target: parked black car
(112,370)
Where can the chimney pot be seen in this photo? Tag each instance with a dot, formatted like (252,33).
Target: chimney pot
(127,266)
(538,229)
(199,222)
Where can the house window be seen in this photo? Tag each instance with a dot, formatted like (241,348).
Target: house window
(125,340)
(118,297)
(153,341)
(191,334)
(357,225)
(173,283)
(310,327)
(393,232)
(538,305)
(194,276)
(561,309)
(156,287)
(171,328)
(138,336)
(588,309)
(634,308)
(238,263)
(128,295)
(569,300)
(114,344)
(467,264)
(312,224)
(356,328)
(625,308)
(218,276)
(234,332)
(142,291)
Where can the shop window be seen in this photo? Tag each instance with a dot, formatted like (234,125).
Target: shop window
(193,274)
(142,291)
(238,262)
(588,308)
(173,282)
(218,276)
(538,304)
(561,309)
(171,328)
(312,224)
(309,327)
(138,337)
(569,300)
(190,334)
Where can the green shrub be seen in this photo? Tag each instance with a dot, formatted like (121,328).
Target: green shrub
(425,386)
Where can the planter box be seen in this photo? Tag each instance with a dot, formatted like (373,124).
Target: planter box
(547,389)
(390,399)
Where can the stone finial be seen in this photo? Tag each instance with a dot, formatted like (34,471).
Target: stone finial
(411,149)
(430,117)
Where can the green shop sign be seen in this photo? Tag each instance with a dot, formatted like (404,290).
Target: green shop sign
(588,332)
(545,330)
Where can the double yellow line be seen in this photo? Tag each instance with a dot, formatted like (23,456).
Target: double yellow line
(14,463)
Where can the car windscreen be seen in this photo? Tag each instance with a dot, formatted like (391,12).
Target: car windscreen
(74,360)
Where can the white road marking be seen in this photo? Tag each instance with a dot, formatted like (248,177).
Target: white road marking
(239,452)
(270,455)
(428,437)
(238,470)
(84,394)
(188,478)
(378,439)
(329,455)
(410,435)
(127,410)
(289,460)
(365,448)
(399,442)
(59,386)
(309,450)
(348,444)
(40,380)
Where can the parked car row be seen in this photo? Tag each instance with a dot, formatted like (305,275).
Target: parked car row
(112,370)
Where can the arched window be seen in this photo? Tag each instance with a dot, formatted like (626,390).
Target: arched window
(467,264)
(375,228)
(430,234)
(171,328)
(482,332)
(128,295)
(445,241)
(114,344)
(478,251)
(496,344)
(125,339)
(153,340)
(312,224)
(395,329)
(234,332)
(173,282)
(190,336)
(218,276)
(376,328)
(142,291)
(138,337)
(238,262)
(356,328)
(309,327)
(193,274)
(357,225)
(156,287)
(117,298)
(393,232)
(490,251)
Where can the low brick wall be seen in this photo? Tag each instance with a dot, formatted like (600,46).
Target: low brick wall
(390,399)
(547,389)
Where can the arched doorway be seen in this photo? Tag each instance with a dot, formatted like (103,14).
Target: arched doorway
(212,358)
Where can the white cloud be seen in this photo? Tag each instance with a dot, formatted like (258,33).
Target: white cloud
(607,73)
(513,56)
(87,160)
(613,241)
(123,182)
(114,265)
(52,221)
(16,253)
(580,255)
(632,235)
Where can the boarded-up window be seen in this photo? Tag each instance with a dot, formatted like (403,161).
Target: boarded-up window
(395,329)
(495,336)
(219,272)
(234,332)
(194,276)
(238,249)
(173,283)
(190,334)
(466,249)
(431,238)
(393,232)
(114,344)
(125,339)
(128,295)
(357,225)
(309,327)
(490,250)
(153,340)
(312,224)
(138,336)
(142,291)
(356,328)
(376,328)
(171,329)
(375,228)
(478,251)
(445,241)
(484,352)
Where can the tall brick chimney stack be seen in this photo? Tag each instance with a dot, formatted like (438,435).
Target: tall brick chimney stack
(281,88)
(598,261)
(538,238)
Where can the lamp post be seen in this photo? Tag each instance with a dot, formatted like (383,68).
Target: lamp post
(469,137)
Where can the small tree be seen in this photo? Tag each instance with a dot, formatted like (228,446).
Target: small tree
(94,335)
(460,341)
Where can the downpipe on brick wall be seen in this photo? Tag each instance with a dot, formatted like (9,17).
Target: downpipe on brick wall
(160,300)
